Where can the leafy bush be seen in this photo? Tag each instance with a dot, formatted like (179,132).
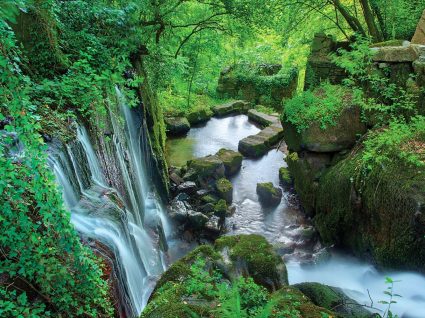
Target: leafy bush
(322,105)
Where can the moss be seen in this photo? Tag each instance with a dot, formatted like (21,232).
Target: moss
(220,208)
(295,304)
(224,185)
(209,198)
(285,176)
(388,43)
(232,160)
(258,254)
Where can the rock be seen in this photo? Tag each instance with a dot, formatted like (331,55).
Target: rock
(177,125)
(225,189)
(197,219)
(177,211)
(238,107)
(257,145)
(268,194)
(207,208)
(174,177)
(419,37)
(214,225)
(253,146)
(220,209)
(199,116)
(209,198)
(285,177)
(182,197)
(188,187)
(252,255)
(333,298)
(261,118)
(342,136)
(205,170)
(396,54)
(232,160)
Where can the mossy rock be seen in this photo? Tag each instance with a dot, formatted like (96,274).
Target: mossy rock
(209,199)
(388,210)
(334,138)
(253,146)
(268,194)
(254,256)
(333,298)
(295,304)
(177,125)
(199,116)
(205,170)
(285,176)
(232,160)
(220,209)
(225,189)
(233,107)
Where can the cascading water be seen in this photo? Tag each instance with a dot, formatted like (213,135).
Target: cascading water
(134,228)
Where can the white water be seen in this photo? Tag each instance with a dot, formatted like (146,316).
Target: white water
(130,232)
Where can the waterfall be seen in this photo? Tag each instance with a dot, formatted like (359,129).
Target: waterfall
(133,223)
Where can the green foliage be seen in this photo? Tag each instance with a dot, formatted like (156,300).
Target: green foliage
(322,105)
(401,143)
(40,248)
(391,296)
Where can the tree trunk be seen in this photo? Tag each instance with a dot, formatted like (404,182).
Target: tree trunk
(352,21)
(370,21)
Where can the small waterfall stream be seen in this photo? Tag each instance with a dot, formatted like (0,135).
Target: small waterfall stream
(132,224)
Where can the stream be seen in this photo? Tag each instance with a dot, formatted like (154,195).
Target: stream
(287,228)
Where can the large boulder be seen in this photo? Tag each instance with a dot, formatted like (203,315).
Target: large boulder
(349,126)
(268,194)
(257,145)
(205,282)
(252,255)
(177,125)
(397,54)
(199,116)
(205,170)
(261,118)
(333,298)
(232,160)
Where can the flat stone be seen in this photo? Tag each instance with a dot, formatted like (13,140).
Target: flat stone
(261,118)
(397,54)
(419,37)
(238,106)
(188,187)
(257,145)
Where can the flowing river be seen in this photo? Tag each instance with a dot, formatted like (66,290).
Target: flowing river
(287,228)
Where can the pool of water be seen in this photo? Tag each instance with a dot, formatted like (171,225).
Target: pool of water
(286,226)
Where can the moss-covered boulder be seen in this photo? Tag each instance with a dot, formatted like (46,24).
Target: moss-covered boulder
(388,208)
(232,160)
(261,118)
(333,298)
(199,116)
(205,170)
(220,209)
(253,256)
(285,176)
(225,189)
(229,277)
(177,125)
(268,194)
(257,145)
(233,107)
(343,135)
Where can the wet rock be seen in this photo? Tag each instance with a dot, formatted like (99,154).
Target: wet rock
(225,189)
(285,177)
(231,210)
(177,125)
(207,208)
(257,145)
(188,187)
(268,194)
(182,197)
(285,248)
(238,107)
(214,225)
(196,219)
(177,211)
(232,160)
(220,209)
(174,177)
(205,170)
(333,298)
(209,198)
